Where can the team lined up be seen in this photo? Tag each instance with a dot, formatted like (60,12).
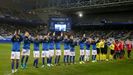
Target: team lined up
(51,42)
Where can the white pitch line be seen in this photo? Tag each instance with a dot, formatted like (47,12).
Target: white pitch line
(8,73)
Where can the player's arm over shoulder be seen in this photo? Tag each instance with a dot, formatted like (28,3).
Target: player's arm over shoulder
(21,38)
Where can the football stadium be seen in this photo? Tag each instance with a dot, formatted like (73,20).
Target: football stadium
(66,37)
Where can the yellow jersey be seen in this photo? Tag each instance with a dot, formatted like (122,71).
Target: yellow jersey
(112,46)
(98,45)
(102,44)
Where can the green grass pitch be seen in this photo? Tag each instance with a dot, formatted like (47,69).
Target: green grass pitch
(116,67)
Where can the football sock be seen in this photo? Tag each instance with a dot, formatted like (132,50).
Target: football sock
(36,62)
(56,60)
(80,58)
(73,59)
(43,61)
(26,60)
(97,57)
(92,57)
(104,57)
(22,59)
(67,58)
(70,59)
(17,64)
(48,60)
(83,58)
(59,59)
(13,64)
(110,57)
(101,57)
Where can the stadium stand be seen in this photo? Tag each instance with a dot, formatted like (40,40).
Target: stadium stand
(34,21)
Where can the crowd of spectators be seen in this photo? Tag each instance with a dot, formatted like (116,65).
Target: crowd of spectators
(7,30)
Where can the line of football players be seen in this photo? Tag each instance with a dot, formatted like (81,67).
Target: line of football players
(90,49)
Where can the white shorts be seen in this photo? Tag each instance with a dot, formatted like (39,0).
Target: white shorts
(25,52)
(58,52)
(36,54)
(15,55)
(66,52)
(82,52)
(72,53)
(45,54)
(51,53)
(94,52)
(87,52)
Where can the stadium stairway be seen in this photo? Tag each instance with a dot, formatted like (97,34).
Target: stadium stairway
(92,33)
(127,35)
(109,34)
